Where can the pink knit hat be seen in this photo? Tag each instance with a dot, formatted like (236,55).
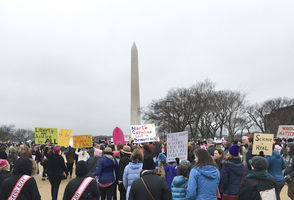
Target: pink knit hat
(56,150)
(98,152)
(3,163)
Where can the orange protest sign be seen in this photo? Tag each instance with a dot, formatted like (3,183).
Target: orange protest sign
(81,141)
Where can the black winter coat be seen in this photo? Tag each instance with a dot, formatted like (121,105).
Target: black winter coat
(56,165)
(155,184)
(90,193)
(249,156)
(29,191)
(4,175)
(252,185)
(124,161)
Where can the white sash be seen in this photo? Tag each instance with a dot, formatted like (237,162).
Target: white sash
(82,188)
(17,188)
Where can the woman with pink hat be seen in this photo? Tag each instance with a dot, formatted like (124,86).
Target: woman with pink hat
(4,173)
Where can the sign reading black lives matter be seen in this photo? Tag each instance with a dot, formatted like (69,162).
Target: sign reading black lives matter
(177,146)
(263,142)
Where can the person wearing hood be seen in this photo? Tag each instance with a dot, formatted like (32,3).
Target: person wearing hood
(56,169)
(132,170)
(258,184)
(232,172)
(107,172)
(22,171)
(290,169)
(204,177)
(150,185)
(90,192)
(124,161)
(166,171)
(180,183)
(276,165)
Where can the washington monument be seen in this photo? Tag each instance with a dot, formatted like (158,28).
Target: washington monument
(135,89)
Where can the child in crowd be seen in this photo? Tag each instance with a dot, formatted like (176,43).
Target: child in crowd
(180,183)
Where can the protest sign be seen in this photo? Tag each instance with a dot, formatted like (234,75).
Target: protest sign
(81,141)
(177,146)
(263,142)
(143,133)
(286,131)
(42,135)
(118,136)
(64,137)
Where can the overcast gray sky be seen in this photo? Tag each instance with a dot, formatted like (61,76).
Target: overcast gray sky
(66,63)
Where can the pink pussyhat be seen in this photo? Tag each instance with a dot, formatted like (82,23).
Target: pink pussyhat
(56,150)
(98,152)
(3,163)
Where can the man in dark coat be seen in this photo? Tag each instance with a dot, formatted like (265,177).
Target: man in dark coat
(91,191)
(124,161)
(56,169)
(155,184)
(23,166)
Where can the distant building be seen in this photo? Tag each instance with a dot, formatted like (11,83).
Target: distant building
(281,116)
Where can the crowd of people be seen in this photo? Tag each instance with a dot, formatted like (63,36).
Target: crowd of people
(226,170)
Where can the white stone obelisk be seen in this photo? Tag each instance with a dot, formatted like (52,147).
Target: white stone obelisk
(135,89)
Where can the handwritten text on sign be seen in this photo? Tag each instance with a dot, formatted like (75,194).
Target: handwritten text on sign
(64,137)
(143,133)
(263,142)
(43,135)
(286,131)
(81,141)
(177,146)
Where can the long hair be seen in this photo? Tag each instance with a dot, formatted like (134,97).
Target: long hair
(221,153)
(204,158)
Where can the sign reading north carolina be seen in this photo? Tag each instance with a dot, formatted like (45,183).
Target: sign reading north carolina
(143,133)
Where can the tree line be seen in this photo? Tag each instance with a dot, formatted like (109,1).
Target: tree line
(10,132)
(206,112)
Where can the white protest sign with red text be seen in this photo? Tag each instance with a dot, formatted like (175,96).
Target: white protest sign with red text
(286,131)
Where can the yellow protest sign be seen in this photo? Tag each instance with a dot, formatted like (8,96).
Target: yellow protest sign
(43,135)
(263,142)
(64,137)
(80,141)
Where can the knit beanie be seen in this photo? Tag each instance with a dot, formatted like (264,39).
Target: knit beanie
(3,163)
(234,150)
(22,166)
(82,168)
(259,163)
(148,163)
(161,157)
(56,150)
(98,153)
